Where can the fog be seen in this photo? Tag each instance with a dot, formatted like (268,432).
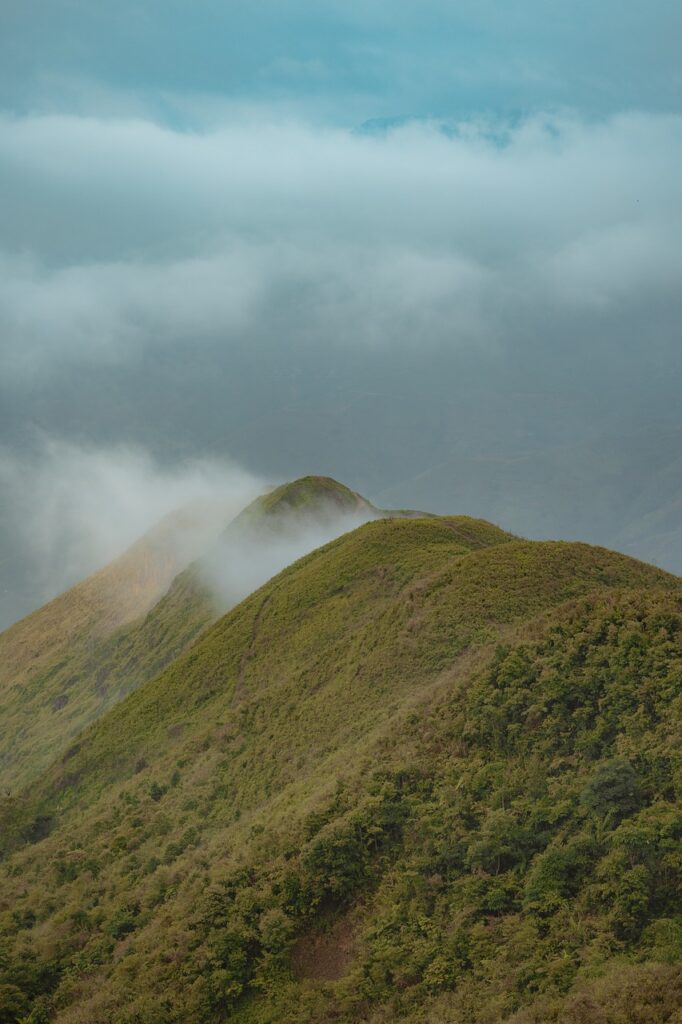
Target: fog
(72,510)
(243,560)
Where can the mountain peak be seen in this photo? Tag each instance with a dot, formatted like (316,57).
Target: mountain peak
(307,494)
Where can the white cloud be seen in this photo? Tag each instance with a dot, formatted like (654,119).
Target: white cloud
(77,508)
(241,562)
(258,225)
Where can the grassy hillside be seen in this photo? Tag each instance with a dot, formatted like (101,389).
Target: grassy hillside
(428,773)
(45,714)
(56,664)
(117,594)
(69,662)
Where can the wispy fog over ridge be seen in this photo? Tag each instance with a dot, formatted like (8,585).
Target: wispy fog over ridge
(73,510)
(241,561)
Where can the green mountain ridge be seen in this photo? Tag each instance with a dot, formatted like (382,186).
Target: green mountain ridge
(91,656)
(429,772)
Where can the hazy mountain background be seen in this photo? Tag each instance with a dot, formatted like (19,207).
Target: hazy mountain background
(431,250)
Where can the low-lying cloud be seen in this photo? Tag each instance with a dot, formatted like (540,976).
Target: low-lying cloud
(241,562)
(74,509)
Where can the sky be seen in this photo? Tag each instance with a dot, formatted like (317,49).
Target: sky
(429,248)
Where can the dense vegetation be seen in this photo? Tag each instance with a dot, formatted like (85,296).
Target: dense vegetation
(429,773)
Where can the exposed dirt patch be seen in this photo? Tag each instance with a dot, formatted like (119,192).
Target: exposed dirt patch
(326,955)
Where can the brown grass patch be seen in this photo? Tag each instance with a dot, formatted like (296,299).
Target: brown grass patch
(325,955)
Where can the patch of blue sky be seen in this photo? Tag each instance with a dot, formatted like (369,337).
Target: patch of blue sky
(343,63)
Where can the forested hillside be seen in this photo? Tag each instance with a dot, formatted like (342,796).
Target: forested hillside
(430,772)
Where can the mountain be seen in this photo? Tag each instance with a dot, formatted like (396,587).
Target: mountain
(429,772)
(320,496)
(66,664)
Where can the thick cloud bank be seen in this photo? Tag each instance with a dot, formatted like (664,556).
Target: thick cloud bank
(125,234)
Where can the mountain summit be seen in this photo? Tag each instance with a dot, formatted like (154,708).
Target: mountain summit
(308,494)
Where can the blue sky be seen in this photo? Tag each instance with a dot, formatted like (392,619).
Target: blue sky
(344,62)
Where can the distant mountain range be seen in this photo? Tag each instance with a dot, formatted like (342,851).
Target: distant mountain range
(331,763)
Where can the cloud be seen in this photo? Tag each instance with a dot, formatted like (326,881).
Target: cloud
(76,508)
(241,562)
(106,310)
(443,233)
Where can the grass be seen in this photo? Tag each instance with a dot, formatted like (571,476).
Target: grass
(70,662)
(304,494)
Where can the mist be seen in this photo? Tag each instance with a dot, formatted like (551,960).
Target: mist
(243,559)
(73,510)
(70,510)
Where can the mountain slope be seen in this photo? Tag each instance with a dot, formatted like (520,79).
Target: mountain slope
(68,663)
(119,593)
(379,788)
(54,663)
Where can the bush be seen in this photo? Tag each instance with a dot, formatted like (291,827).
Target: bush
(613,792)
(557,874)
